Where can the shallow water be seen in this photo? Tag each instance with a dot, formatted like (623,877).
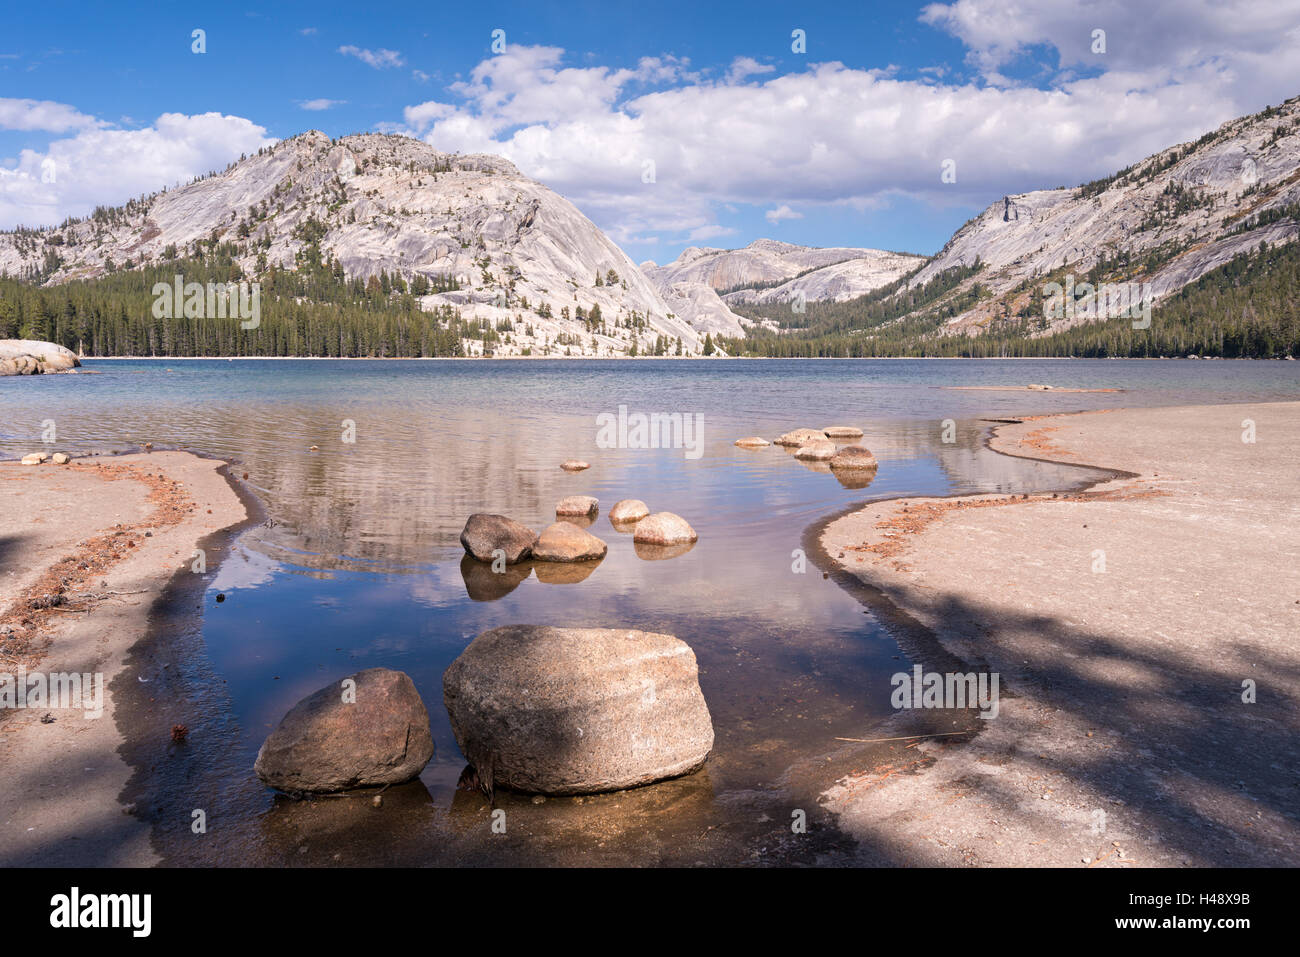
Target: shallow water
(360,566)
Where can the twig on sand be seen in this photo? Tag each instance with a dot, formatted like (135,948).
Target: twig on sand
(908,737)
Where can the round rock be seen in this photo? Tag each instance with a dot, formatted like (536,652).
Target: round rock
(664,528)
(628,510)
(566,542)
(855,457)
(816,451)
(577,710)
(368,729)
(486,533)
(576,505)
(801,437)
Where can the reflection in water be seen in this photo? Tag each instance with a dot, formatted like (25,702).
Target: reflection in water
(364,568)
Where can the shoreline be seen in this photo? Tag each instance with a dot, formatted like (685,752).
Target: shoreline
(714,358)
(64,803)
(1079,766)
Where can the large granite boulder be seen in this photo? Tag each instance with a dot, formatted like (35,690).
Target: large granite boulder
(577,710)
(33,357)
(365,730)
(664,528)
(566,542)
(486,533)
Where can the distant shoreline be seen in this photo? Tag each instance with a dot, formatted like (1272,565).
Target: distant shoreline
(85,359)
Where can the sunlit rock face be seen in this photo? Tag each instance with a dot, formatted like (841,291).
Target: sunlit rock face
(382,203)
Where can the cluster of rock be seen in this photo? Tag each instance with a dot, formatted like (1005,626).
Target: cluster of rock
(534,709)
(818,445)
(39,458)
(32,357)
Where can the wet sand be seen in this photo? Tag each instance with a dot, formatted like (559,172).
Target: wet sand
(1123,622)
(105,536)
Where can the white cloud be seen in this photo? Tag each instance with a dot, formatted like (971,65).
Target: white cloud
(832,134)
(379,59)
(774,216)
(43,115)
(321,104)
(106,167)
(308,31)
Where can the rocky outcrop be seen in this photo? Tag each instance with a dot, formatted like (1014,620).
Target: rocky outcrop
(486,534)
(368,729)
(664,528)
(566,542)
(33,357)
(1174,216)
(493,243)
(577,710)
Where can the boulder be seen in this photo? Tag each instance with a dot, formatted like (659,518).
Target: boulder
(577,505)
(752,442)
(566,542)
(855,457)
(34,458)
(816,451)
(60,458)
(628,510)
(485,533)
(370,733)
(664,528)
(843,432)
(801,437)
(574,465)
(33,357)
(577,710)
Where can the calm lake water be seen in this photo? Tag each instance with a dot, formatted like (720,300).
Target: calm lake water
(360,566)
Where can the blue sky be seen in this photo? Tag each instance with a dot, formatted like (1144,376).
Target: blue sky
(841,144)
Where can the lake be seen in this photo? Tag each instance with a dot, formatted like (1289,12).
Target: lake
(356,563)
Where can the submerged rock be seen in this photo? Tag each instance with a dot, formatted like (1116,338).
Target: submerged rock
(566,542)
(628,510)
(577,710)
(574,465)
(855,457)
(752,442)
(801,437)
(368,729)
(577,505)
(664,528)
(817,451)
(485,533)
(843,432)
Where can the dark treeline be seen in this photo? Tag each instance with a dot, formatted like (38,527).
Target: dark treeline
(309,311)
(1246,308)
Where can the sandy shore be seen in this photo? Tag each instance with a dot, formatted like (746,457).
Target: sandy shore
(86,550)
(1123,622)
